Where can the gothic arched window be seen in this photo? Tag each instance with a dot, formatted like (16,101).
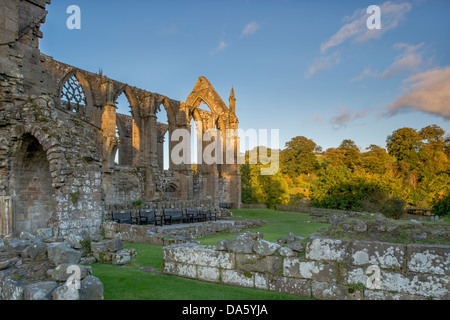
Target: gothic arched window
(72,96)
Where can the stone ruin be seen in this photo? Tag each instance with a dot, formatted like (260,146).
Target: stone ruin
(60,133)
(67,158)
(317,267)
(38,268)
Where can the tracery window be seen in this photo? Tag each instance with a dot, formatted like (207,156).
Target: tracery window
(72,96)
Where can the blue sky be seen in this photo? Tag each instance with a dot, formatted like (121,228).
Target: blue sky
(307,68)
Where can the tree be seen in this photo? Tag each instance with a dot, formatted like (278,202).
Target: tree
(405,144)
(447,146)
(347,154)
(299,157)
(394,208)
(376,160)
(433,136)
(441,206)
(256,188)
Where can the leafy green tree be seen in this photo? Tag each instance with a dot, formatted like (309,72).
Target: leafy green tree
(299,157)
(441,207)
(257,188)
(376,160)
(394,208)
(405,144)
(347,154)
(433,136)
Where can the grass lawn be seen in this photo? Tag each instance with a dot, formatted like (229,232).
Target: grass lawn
(129,282)
(279,224)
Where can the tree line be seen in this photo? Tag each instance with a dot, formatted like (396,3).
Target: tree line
(414,168)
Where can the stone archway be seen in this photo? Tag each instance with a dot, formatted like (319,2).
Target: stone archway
(34,201)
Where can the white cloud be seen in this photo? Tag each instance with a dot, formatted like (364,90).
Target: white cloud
(346,115)
(408,61)
(324,62)
(250,29)
(356,27)
(429,92)
(366,73)
(220,47)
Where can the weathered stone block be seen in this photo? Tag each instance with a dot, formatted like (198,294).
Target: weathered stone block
(261,281)
(11,289)
(330,291)
(208,274)
(40,290)
(425,258)
(385,295)
(384,255)
(60,254)
(328,249)
(114,245)
(299,287)
(238,278)
(180,269)
(242,244)
(426,285)
(286,252)
(265,248)
(304,269)
(199,255)
(63,292)
(222,245)
(66,270)
(36,251)
(98,246)
(91,288)
(257,263)
(297,246)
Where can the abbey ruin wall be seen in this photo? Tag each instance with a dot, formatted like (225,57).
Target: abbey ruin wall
(60,133)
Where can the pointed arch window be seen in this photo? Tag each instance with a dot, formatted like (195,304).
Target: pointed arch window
(72,96)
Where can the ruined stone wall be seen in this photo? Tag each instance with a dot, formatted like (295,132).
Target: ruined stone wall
(58,185)
(49,162)
(324,269)
(57,155)
(177,235)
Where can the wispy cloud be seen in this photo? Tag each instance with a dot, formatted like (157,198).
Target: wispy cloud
(250,29)
(220,47)
(356,26)
(355,29)
(345,115)
(428,92)
(367,72)
(408,61)
(323,63)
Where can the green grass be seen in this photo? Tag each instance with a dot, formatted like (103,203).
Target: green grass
(279,224)
(130,283)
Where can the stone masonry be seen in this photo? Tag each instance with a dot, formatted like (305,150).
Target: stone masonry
(321,268)
(60,133)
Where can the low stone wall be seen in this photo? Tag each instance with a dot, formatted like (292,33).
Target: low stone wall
(175,234)
(324,269)
(252,206)
(312,210)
